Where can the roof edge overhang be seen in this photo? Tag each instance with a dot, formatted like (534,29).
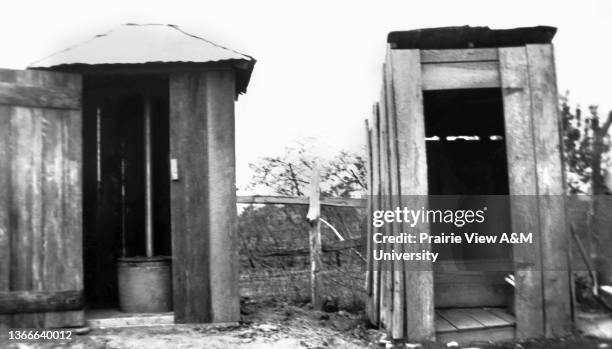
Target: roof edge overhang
(462,37)
(243,69)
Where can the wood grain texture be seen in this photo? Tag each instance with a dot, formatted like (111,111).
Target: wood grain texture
(44,249)
(189,199)
(299,200)
(224,261)
(459,318)
(369,214)
(314,240)
(398,328)
(203,199)
(5,197)
(405,68)
(376,205)
(462,55)
(40,301)
(523,190)
(446,76)
(39,97)
(551,190)
(386,267)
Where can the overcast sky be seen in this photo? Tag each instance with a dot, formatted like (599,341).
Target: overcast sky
(318,68)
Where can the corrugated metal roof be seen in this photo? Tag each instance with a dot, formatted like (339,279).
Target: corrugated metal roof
(146,43)
(469,37)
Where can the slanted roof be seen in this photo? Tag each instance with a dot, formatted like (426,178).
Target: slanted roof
(469,37)
(134,44)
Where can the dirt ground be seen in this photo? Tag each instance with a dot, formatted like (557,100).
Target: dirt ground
(278,326)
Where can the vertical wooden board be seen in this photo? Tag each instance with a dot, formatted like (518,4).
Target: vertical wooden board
(189,198)
(375,299)
(523,190)
(52,198)
(412,164)
(23,132)
(551,201)
(386,306)
(223,267)
(25,210)
(62,200)
(72,278)
(5,197)
(399,315)
(368,242)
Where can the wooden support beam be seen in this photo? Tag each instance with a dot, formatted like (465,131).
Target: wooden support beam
(374,314)
(461,75)
(39,97)
(224,261)
(368,239)
(300,200)
(189,217)
(386,267)
(398,328)
(523,190)
(459,55)
(205,269)
(551,190)
(314,238)
(407,84)
(17,302)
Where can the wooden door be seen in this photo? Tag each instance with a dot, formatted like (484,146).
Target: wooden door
(41,271)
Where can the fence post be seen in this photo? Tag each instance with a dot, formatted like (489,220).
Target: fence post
(314,235)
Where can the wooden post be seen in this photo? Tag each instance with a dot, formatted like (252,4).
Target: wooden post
(404,73)
(523,190)
(368,242)
(551,190)
(374,315)
(314,237)
(204,261)
(398,328)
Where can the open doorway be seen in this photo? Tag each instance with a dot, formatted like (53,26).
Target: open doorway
(114,178)
(468,170)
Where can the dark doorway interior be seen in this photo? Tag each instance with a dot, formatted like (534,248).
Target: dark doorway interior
(113,177)
(466,159)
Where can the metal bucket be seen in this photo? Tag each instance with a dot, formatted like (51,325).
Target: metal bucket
(145,284)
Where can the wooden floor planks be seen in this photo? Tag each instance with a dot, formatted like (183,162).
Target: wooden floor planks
(461,319)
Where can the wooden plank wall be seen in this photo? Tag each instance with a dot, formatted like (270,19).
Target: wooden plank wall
(40,184)
(401,293)
(205,270)
(542,296)
(403,303)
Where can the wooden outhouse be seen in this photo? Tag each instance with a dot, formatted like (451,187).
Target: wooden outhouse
(471,111)
(85,178)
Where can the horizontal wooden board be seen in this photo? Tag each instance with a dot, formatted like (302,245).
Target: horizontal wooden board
(39,97)
(446,76)
(471,295)
(488,335)
(463,55)
(40,301)
(299,200)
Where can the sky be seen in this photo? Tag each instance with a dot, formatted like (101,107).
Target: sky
(319,62)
